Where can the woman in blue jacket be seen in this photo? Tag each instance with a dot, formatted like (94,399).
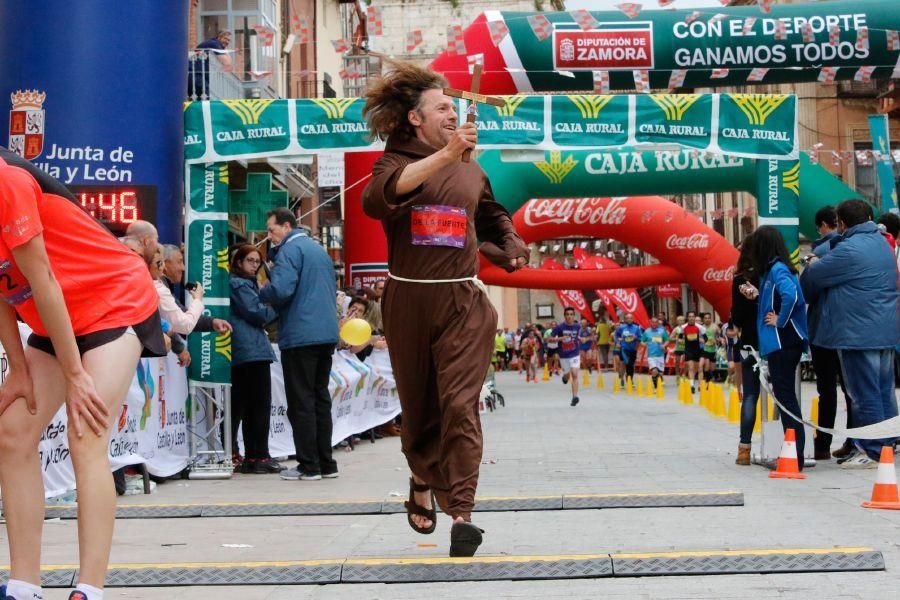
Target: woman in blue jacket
(781,323)
(251,352)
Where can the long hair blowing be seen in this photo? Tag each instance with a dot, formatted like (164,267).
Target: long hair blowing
(767,246)
(390,98)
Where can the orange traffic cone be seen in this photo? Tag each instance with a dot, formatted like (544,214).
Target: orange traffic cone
(787,460)
(885,494)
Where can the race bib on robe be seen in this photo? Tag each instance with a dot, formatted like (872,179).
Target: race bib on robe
(439,225)
(692,337)
(628,337)
(657,340)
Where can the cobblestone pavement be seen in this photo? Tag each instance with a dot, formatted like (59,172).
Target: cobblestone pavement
(536,445)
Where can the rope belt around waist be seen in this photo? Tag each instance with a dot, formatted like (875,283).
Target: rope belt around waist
(474,279)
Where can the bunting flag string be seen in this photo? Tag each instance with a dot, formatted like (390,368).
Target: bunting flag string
(456,45)
(498,30)
(584,19)
(413,40)
(631,9)
(374,22)
(601,82)
(541,26)
(676,79)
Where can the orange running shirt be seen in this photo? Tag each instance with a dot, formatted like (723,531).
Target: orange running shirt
(105,285)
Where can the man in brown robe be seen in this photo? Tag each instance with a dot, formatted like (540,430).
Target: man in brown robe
(438,320)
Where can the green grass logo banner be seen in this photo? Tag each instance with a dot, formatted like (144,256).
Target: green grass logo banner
(194,138)
(662,118)
(521,121)
(758,124)
(778,199)
(329,123)
(211,351)
(242,127)
(589,121)
(209,192)
(748,125)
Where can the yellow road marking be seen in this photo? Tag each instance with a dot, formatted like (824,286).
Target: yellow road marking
(473,560)
(744,552)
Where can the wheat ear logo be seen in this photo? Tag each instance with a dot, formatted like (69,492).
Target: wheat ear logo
(790,179)
(674,107)
(590,106)
(223,345)
(222,258)
(512,103)
(334,107)
(758,107)
(249,111)
(223,174)
(556,170)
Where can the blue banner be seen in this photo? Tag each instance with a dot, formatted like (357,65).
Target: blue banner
(884,164)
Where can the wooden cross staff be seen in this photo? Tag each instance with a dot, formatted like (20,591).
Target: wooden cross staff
(474,98)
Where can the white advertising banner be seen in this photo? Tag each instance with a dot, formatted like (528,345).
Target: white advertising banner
(152,427)
(363,396)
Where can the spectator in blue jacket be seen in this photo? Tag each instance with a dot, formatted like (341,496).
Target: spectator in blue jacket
(251,355)
(825,361)
(302,291)
(856,285)
(781,323)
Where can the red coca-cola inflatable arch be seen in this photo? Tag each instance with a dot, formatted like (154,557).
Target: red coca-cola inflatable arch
(685,247)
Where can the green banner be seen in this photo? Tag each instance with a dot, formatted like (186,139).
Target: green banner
(884,163)
(209,190)
(687,118)
(207,245)
(248,127)
(194,138)
(211,351)
(586,173)
(207,264)
(749,125)
(662,41)
(521,121)
(754,122)
(326,123)
(590,121)
(778,199)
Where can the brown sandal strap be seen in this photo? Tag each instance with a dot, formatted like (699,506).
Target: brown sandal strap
(418,487)
(413,508)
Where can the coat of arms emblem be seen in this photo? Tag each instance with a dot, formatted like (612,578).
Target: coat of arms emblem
(26,123)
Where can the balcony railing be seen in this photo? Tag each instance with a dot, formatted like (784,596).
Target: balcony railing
(211,76)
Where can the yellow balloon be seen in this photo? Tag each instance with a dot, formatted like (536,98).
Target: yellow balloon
(356,332)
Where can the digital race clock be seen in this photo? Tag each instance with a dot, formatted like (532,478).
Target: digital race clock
(117,206)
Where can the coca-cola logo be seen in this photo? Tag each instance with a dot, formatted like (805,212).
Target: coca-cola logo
(718,275)
(576,299)
(578,211)
(628,299)
(695,241)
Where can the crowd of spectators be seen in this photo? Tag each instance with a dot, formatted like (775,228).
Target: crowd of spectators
(289,295)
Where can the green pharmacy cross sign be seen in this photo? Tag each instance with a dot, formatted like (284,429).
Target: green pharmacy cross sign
(257,200)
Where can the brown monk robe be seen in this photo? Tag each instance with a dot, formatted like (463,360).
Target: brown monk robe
(440,336)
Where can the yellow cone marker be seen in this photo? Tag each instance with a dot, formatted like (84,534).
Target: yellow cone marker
(546,376)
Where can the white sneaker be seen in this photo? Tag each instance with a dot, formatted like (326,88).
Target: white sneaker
(860,461)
